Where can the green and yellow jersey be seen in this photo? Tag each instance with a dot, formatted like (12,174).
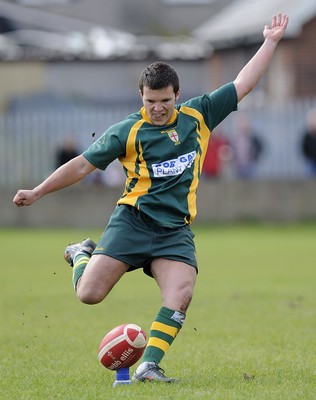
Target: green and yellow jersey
(163,164)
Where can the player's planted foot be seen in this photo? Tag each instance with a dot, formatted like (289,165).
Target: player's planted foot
(150,371)
(87,246)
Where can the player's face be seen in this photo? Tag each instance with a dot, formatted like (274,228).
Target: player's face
(159,104)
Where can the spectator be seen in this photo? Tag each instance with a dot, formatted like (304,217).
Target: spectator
(66,152)
(309,142)
(247,147)
(218,153)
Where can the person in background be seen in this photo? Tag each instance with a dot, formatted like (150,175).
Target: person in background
(66,152)
(309,142)
(217,155)
(247,147)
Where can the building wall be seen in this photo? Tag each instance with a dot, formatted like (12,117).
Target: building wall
(20,79)
(304,61)
(292,73)
(90,80)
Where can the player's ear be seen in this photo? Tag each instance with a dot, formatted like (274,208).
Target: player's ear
(177,94)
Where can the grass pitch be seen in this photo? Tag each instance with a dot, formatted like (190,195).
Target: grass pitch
(249,333)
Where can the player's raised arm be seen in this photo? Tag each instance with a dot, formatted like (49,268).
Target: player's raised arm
(66,175)
(250,75)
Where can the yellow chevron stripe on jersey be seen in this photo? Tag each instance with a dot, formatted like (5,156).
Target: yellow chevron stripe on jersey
(134,170)
(203,136)
(203,132)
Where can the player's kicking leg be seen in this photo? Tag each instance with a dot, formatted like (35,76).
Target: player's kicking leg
(94,275)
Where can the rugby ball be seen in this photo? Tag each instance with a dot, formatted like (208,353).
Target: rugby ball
(122,347)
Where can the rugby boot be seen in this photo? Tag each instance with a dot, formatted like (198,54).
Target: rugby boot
(150,371)
(87,246)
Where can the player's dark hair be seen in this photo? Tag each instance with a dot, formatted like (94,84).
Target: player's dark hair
(159,75)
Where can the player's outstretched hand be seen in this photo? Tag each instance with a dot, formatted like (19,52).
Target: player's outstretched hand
(277,29)
(24,198)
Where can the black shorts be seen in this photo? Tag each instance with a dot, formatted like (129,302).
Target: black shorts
(135,239)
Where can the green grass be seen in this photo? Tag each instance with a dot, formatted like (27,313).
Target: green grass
(249,333)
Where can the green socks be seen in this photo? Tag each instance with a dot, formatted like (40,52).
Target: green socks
(80,262)
(162,333)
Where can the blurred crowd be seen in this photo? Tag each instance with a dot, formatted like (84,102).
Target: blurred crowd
(237,155)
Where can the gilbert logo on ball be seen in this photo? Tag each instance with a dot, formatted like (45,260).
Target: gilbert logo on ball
(122,347)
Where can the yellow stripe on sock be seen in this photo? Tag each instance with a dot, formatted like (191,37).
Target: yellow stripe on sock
(156,342)
(170,330)
(81,261)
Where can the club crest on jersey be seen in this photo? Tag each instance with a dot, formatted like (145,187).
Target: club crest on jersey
(173,135)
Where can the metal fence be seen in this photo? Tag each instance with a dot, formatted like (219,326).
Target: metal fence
(28,140)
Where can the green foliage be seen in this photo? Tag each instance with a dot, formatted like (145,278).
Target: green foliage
(249,333)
